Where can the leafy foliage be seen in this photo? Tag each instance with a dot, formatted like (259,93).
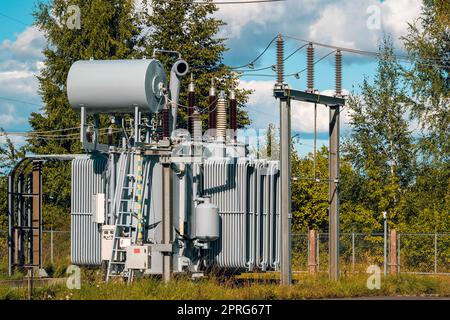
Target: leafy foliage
(428,43)
(381,146)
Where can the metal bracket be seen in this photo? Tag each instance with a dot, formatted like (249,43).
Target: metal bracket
(163,248)
(299,95)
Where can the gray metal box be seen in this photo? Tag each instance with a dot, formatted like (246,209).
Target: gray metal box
(138,257)
(107,241)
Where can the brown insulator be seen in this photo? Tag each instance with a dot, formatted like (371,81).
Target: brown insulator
(191,104)
(212,114)
(310,67)
(233,115)
(89,134)
(166,123)
(338,73)
(280,59)
(110,136)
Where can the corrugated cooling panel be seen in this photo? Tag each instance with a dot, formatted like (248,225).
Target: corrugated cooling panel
(246,193)
(87,179)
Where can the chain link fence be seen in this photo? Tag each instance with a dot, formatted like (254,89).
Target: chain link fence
(423,253)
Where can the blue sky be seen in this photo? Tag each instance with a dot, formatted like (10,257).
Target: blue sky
(249,29)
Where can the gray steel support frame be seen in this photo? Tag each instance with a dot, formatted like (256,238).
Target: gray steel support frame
(334,103)
(167,223)
(334,192)
(285,195)
(10,224)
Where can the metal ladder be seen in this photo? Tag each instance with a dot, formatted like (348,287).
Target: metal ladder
(124,221)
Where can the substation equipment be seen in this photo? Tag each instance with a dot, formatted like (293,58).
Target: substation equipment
(150,198)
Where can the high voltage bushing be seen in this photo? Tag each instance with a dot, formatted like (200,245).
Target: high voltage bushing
(280,59)
(233,114)
(338,73)
(191,103)
(310,67)
(212,122)
(222,116)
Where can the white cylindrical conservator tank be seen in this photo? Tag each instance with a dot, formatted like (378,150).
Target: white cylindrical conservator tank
(116,86)
(207,221)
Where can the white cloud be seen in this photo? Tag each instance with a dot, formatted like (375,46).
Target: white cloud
(342,23)
(20,61)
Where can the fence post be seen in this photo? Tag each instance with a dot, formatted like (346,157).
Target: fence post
(312,259)
(435,252)
(393,252)
(353,252)
(51,246)
(398,253)
(385,244)
(318,252)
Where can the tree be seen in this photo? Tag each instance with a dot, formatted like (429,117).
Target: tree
(109,30)
(310,198)
(191,30)
(428,44)
(381,146)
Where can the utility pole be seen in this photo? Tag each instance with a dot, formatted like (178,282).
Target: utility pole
(285,168)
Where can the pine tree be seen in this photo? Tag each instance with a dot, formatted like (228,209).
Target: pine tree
(191,30)
(381,146)
(109,30)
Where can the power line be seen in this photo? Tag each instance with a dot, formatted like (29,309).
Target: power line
(303,70)
(273,67)
(229,2)
(350,50)
(258,57)
(20,101)
(295,74)
(14,19)
(363,52)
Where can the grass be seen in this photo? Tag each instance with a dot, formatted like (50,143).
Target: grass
(244,287)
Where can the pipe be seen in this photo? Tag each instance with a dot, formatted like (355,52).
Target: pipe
(112,185)
(179,69)
(167,226)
